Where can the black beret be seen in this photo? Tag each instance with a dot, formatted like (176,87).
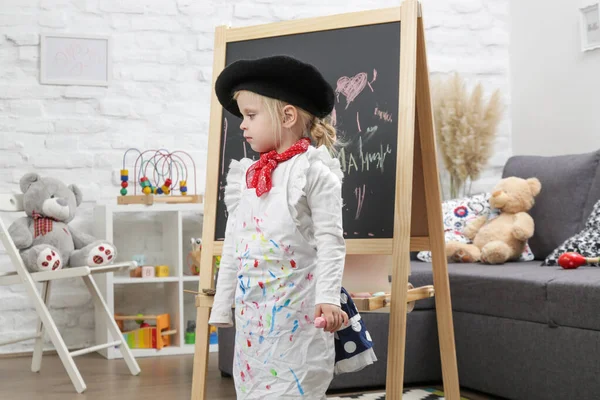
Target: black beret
(280,77)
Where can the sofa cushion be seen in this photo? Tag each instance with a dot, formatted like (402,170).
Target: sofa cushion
(560,207)
(513,290)
(594,194)
(586,242)
(574,296)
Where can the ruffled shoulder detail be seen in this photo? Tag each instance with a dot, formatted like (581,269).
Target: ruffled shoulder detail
(322,154)
(236,183)
(300,171)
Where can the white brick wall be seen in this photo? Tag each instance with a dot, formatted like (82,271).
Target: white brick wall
(160,98)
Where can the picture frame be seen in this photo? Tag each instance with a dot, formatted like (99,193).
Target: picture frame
(590,26)
(75,59)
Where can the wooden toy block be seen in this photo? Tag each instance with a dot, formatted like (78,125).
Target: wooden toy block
(147,272)
(136,272)
(162,271)
(152,337)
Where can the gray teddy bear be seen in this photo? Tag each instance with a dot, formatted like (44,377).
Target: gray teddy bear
(45,241)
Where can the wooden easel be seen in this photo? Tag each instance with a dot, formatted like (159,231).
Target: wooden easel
(417,211)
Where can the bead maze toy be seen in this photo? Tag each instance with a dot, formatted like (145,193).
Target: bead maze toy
(147,336)
(161,177)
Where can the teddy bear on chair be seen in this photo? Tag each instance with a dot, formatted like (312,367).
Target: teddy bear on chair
(45,240)
(502,235)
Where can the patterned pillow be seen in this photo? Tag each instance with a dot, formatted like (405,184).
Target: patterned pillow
(586,242)
(457,213)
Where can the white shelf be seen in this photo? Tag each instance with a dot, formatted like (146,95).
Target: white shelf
(156,207)
(213,348)
(160,236)
(165,351)
(125,280)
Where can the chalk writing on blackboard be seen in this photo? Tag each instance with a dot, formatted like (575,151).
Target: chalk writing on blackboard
(362,160)
(360,198)
(351,87)
(383,115)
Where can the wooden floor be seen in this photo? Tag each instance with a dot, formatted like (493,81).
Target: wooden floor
(167,378)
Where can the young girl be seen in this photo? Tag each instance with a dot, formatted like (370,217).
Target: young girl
(284,250)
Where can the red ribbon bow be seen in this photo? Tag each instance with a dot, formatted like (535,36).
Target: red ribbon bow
(259,173)
(41,224)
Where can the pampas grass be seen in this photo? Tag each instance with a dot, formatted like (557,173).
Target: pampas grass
(465,126)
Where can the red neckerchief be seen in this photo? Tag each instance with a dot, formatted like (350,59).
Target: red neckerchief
(41,224)
(259,173)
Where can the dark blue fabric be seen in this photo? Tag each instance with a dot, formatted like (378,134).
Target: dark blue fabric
(354,339)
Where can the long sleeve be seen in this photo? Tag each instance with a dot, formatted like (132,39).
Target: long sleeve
(221,315)
(324,197)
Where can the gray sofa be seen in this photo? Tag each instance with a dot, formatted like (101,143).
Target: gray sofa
(523,331)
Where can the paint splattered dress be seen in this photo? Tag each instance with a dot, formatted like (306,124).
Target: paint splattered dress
(284,252)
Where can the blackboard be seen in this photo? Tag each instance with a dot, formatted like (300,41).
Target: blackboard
(362,65)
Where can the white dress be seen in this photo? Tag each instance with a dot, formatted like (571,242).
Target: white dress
(284,252)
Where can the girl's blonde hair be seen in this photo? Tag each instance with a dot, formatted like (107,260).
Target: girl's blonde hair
(320,130)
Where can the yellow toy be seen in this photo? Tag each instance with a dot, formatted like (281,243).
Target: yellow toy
(162,271)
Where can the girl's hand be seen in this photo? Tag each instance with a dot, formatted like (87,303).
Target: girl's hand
(334,316)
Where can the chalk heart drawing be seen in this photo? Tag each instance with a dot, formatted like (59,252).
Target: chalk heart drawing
(351,87)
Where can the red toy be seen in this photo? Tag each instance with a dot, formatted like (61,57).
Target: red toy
(574,260)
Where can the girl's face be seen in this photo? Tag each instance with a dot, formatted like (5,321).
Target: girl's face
(257,123)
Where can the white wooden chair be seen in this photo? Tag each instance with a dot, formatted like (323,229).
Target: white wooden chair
(10,202)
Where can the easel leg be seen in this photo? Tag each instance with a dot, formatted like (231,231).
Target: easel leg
(201,354)
(433,199)
(443,308)
(403,203)
(397,331)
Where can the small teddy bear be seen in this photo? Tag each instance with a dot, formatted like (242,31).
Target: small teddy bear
(45,241)
(502,235)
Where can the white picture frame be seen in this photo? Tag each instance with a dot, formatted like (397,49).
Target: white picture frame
(74,59)
(590,26)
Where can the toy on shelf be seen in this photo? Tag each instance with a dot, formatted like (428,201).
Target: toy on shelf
(162,177)
(572,260)
(190,332)
(162,271)
(214,339)
(147,336)
(140,259)
(149,271)
(193,258)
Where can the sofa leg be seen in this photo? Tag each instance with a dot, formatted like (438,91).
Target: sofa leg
(225,375)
